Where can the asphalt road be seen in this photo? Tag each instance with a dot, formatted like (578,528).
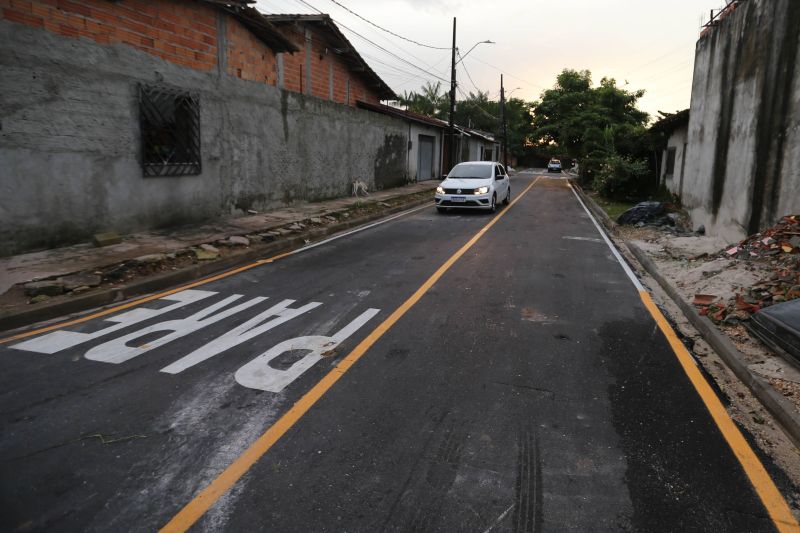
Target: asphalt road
(527,389)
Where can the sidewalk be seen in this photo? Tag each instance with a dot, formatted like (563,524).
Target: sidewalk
(179,248)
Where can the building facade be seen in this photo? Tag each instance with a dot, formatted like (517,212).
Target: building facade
(133,115)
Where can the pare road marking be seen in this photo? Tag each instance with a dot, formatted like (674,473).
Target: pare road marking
(257,374)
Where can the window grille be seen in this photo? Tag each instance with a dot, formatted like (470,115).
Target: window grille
(170,125)
(670,161)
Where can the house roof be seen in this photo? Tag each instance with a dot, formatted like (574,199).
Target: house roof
(339,45)
(669,122)
(424,119)
(402,113)
(256,22)
(485,136)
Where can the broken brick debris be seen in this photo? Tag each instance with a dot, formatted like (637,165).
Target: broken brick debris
(780,246)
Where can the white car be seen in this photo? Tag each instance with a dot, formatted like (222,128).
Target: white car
(474,185)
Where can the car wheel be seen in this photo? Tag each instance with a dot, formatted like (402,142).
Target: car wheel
(493,207)
(508,197)
(441,210)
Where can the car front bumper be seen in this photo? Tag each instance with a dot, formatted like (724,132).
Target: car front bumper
(466,201)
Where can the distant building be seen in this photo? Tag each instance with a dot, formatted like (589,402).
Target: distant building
(673,130)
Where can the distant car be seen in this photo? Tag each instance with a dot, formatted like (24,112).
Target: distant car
(474,185)
(554,165)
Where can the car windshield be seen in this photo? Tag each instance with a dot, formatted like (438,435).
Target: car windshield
(555,162)
(471,171)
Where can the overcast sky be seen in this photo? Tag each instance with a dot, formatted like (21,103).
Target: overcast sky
(648,44)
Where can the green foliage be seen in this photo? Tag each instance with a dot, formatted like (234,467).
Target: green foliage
(430,101)
(581,120)
(620,176)
(476,111)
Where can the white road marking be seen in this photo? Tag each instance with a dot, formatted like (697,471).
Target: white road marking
(117,350)
(587,239)
(622,262)
(61,340)
(258,374)
(351,232)
(252,328)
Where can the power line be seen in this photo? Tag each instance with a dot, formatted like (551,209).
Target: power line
(463,66)
(656,60)
(389,31)
(504,71)
(387,39)
(378,46)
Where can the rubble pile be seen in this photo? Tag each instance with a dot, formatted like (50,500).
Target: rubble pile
(780,247)
(782,238)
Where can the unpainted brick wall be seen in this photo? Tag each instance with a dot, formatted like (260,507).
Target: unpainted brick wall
(322,56)
(184,32)
(179,31)
(248,57)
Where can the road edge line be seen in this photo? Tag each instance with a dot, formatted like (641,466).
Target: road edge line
(207,497)
(763,484)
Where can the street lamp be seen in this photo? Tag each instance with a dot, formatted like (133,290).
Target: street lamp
(450,123)
(473,48)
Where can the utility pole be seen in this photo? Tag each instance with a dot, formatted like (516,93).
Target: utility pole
(451,124)
(503,115)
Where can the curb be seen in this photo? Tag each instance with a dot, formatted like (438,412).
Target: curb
(18,318)
(774,402)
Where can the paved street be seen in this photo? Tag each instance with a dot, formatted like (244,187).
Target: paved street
(527,388)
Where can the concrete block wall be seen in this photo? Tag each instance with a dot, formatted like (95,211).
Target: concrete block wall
(70,143)
(743,162)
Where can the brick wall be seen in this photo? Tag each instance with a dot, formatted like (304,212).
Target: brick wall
(323,58)
(179,31)
(184,32)
(248,57)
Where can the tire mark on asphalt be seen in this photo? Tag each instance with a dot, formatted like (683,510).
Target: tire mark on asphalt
(528,499)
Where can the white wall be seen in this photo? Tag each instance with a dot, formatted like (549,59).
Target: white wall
(743,163)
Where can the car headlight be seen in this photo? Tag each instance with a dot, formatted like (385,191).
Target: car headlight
(481,190)
(440,190)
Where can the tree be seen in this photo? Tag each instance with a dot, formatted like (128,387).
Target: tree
(477,111)
(431,101)
(577,119)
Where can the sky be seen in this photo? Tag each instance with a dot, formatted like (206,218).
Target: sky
(643,44)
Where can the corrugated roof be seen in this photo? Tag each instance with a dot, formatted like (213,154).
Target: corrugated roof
(342,47)
(424,119)
(257,23)
(402,113)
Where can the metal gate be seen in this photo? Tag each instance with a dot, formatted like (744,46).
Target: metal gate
(425,169)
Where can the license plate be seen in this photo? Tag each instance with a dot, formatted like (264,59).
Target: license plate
(456,199)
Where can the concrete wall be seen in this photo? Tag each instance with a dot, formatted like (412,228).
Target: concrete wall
(743,166)
(70,143)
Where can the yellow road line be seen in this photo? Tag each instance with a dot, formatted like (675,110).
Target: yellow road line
(769,494)
(201,503)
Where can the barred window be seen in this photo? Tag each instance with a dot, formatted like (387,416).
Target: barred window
(170,124)
(671,161)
